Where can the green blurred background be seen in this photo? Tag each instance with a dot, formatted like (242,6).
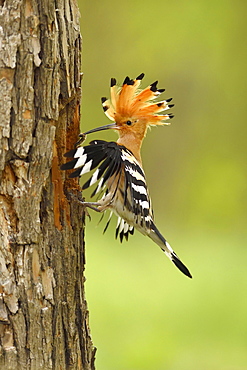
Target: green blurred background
(144,314)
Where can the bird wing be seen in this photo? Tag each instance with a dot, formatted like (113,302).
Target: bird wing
(120,176)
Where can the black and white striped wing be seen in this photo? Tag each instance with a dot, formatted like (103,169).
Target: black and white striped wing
(114,164)
(98,154)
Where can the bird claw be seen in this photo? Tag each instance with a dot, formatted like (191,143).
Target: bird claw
(80,199)
(87,214)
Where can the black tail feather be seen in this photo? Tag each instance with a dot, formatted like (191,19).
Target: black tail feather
(158,238)
(181,266)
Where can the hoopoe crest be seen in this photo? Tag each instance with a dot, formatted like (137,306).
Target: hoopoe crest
(118,172)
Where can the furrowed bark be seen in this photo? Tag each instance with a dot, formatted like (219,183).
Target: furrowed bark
(43,312)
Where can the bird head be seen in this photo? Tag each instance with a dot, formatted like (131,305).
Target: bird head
(133,110)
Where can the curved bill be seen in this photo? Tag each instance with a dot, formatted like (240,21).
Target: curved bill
(101,128)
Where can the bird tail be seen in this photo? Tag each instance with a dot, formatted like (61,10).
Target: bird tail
(156,236)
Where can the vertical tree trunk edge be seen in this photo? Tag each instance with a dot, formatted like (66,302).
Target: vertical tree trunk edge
(43,311)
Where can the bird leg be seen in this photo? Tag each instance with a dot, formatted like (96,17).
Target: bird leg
(91,205)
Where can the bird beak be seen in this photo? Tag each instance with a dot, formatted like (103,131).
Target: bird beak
(101,128)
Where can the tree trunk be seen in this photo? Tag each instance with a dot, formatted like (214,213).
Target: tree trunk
(43,312)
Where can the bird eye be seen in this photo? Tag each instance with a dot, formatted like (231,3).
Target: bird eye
(129,123)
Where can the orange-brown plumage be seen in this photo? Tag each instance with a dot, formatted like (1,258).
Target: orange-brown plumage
(133,111)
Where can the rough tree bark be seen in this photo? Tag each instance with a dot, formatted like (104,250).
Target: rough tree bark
(43,312)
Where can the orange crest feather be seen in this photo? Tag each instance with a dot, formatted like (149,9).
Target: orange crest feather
(129,102)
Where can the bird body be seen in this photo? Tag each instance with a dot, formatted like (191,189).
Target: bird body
(117,165)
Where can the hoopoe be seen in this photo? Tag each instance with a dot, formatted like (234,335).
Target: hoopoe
(119,174)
